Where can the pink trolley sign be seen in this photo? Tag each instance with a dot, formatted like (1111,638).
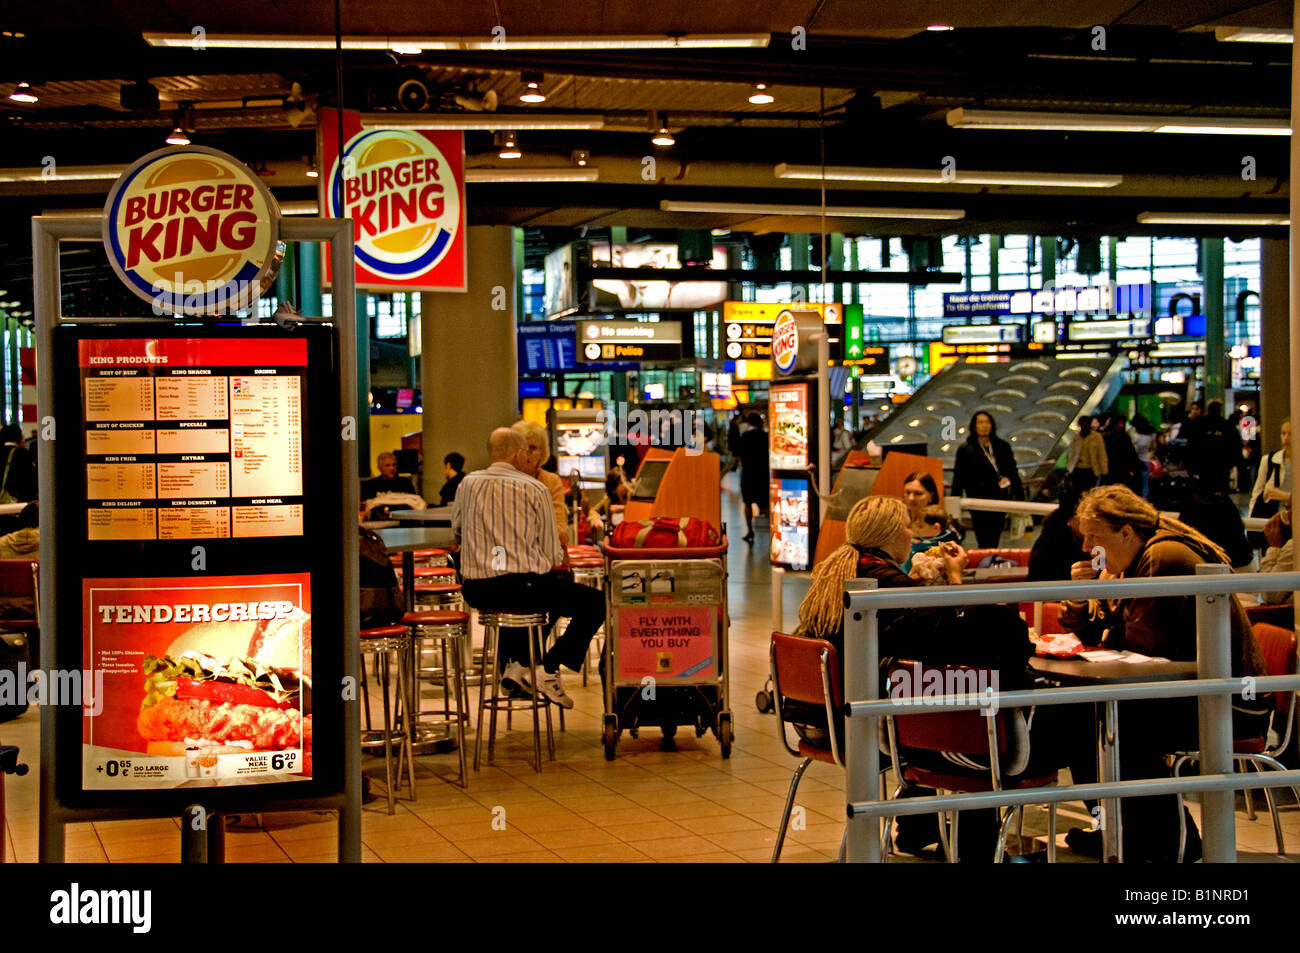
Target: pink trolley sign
(667,642)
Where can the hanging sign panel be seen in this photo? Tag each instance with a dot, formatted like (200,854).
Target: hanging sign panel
(404,190)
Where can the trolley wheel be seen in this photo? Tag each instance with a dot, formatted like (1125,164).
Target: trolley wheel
(634,731)
(700,728)
(724,734)
(764,702)
(610,735)
(669,729)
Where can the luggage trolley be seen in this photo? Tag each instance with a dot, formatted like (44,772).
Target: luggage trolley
(665,653)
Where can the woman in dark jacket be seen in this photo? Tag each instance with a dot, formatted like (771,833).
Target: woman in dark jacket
(1122,461)
(1060,544)
(985,468)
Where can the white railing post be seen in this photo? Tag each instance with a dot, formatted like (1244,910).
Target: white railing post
(1214,660)
(862,754)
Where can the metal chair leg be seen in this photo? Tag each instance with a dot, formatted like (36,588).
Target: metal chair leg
(999,850)
(537,728)
(482,696)
(789,806)
(1051,833)
(1250,795)
(388,735)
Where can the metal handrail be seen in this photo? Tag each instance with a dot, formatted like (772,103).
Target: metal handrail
(863,704)
(1253,524)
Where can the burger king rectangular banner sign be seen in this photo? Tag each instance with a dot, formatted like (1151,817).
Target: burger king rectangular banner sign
(404,190)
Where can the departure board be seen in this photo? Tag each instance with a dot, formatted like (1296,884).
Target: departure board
(186,439)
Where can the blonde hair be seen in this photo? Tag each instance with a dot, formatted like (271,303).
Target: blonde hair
(1117,505)
(537,433)
(873,522)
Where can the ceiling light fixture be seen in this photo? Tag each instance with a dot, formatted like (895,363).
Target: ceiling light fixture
(963,118)
(407,49)
(533,93)
(537,174)
(663,137)
(938,28)
(299,207)
(1251,34)
(760,96)
(581,157)
(746,208)
(23,94)
(1212,218)
(323,42)
(178,137)
(959,176)
(312,171)
(508,146)
(481,121)
(63,173)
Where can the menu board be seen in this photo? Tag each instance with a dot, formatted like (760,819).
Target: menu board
(197,683)
(193,438)
(787,409)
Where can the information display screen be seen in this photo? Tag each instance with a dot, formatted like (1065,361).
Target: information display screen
(187,438)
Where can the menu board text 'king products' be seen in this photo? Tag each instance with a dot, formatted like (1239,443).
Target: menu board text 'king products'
(205,682)
(404,190)
(192,438)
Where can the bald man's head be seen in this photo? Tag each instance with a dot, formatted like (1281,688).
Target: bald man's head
(504,443)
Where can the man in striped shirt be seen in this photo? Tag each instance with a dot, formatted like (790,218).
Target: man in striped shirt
(509,551)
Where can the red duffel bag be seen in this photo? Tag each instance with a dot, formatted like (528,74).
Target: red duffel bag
(665,532)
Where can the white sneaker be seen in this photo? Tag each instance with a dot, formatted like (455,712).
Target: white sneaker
(552,689)
(514,677)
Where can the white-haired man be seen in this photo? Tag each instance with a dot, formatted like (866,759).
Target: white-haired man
(509,551)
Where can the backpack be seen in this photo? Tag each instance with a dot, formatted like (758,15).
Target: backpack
(381,598)
(664,532)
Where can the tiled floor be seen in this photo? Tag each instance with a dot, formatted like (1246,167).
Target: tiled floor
(686,805)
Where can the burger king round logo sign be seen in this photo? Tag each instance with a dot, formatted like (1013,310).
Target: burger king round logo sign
(193,231)
(785,342)
(401,191)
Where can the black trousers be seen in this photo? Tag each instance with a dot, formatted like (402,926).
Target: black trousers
(988,528)
(558,596)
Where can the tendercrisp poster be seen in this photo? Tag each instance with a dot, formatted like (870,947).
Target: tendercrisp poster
(205,682)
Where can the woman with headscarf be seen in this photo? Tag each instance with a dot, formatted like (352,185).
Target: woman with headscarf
(985,468)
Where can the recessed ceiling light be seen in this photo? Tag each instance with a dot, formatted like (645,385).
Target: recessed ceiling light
(178,137)
(760,96)
(533,93)
(23,94)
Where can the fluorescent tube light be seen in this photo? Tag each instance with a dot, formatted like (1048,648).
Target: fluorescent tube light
(66,173)
(1212,218)
(493,121)
(963,118)
(563,174)
(842,173)
(832,211)
(1251,34)
(507,42)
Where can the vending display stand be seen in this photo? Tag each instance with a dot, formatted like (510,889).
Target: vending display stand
(88,529)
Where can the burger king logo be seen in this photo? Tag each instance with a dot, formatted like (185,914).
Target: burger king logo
(402,193)
(785,342)
(193,231)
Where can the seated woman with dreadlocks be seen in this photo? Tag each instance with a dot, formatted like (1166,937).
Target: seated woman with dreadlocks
(878,538)
(1137,542)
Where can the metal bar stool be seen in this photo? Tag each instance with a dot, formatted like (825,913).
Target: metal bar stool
(493,622)
(442,626)
(588,570)
(424,557)
(382,642)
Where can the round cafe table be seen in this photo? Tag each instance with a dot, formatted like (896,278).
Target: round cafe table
(1077,671)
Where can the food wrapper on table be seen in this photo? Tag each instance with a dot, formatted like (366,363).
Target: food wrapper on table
(1058,645)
